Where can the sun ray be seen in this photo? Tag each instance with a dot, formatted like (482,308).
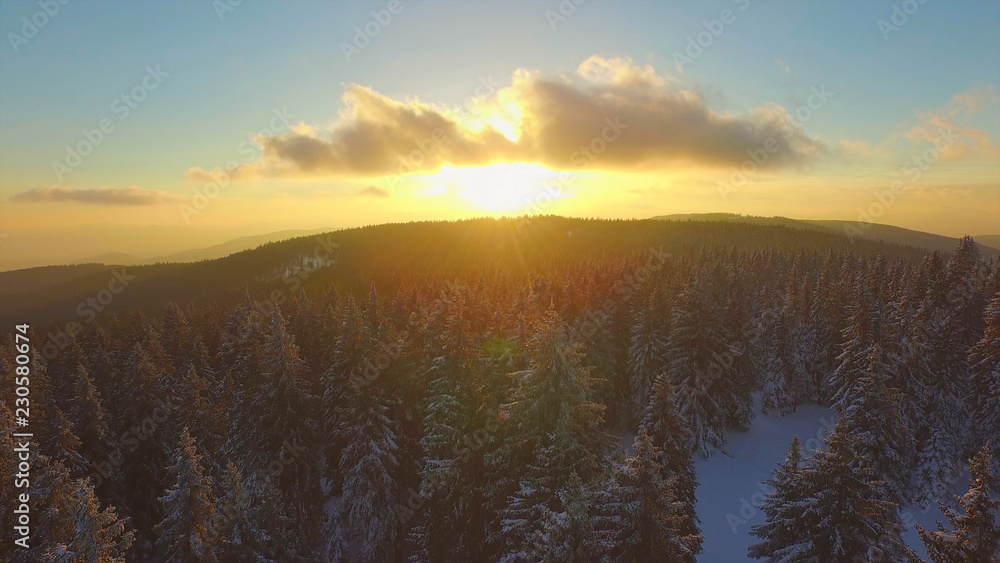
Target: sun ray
(502,187)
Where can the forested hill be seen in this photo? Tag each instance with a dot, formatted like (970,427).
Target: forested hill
(454,392)
(358,258)
(860,229)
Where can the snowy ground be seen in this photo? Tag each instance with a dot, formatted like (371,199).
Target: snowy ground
(731,483)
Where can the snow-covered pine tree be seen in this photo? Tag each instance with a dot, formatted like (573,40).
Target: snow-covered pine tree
(537,522)
(87,415)
(253,522)
(552,400)
(52,501)
(346,370)
(272,421)
(809,350)
(554,429)
(196,410)
(368,465)
(783,506)
(909,364)
(289,424)
(778,380)
(984,369)
(64,446)
(945,378)
(701,357)
(369,462)
(647,352)
(61,370)
(974,533)
(838,514)
(337,549)
(966,298)
(863,332)
(523,519)
(99,535)
(449,415)
(669,435)
(566,534)
(185,533)
(242,346)
(655,523)
(824,327)
(738,385)
(143,410)
(177,338)
(882,441)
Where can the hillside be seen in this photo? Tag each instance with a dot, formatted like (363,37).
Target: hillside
(866,231)
(367,255)
(992,241)
(198,254)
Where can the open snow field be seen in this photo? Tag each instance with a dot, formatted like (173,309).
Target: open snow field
(731,483)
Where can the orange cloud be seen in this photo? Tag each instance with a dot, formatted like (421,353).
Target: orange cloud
(609,114)
(96,196)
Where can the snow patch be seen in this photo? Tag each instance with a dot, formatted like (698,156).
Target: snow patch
(731,484)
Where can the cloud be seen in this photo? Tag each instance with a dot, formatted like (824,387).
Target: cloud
(373,191)
(609,114)
(950,129)
(199,175)
(975,100)
(971,142)
(784,67)
(97,196)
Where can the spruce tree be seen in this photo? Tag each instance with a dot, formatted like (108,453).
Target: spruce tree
(64,446)
(53,503)
(566,534)
(782,509)
(656,523)
(87,414)
(669,435)
(99,535)
(945,377)
(253,522)
(984,368)
(778,380)
(702,359)
(647,352)
(185,534)
(369,462)
(882,440)
(552,400)
(862,334)
(831,510)
(974,533)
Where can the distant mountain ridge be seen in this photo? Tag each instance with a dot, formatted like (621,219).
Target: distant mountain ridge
(867,231)
(198,254)
(993,241)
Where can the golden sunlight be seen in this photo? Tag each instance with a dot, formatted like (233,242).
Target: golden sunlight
(500,187)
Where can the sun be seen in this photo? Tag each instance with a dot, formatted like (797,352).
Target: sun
(503,187)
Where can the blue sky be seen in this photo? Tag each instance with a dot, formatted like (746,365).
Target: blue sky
(227,75)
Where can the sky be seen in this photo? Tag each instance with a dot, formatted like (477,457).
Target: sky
(255,115)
